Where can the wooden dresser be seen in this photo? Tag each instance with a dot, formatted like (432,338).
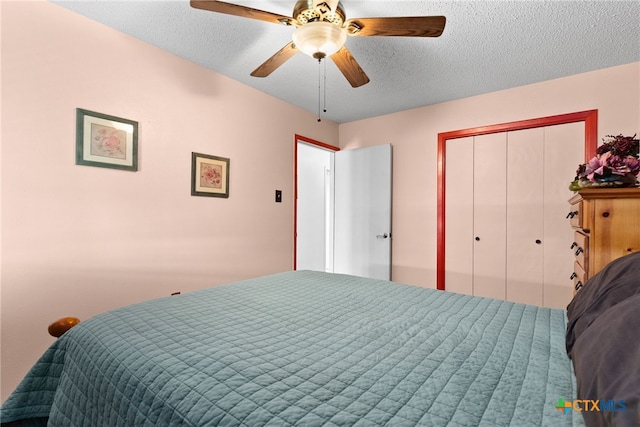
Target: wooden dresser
(607,226)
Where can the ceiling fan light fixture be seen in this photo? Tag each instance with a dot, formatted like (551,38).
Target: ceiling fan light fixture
(319,39)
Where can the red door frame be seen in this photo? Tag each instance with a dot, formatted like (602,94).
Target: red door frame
(295,186)
(589,117)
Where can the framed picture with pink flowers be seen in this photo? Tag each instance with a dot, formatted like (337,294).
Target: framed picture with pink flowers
(106,141)
(209,175)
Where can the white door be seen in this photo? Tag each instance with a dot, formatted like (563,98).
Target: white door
(362,239)
(525,216)
(459,242)
(489,212)
(563,145)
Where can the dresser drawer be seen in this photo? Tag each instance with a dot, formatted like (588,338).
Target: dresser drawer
(579,277)
(576,214)
(579,247)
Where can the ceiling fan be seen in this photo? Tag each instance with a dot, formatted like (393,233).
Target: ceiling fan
(322,29)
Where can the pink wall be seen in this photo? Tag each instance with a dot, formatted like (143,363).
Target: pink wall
(79,240)
(614,92)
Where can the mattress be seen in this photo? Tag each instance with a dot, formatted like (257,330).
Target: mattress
(306,348)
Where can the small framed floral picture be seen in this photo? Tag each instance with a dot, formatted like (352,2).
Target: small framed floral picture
(209,175)
(106,141)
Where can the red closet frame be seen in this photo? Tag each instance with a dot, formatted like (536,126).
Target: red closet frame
(589,117)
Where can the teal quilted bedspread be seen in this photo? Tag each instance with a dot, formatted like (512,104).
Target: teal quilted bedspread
(306,348)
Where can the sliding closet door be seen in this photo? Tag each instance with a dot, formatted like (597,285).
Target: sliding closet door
(459,224)
(563,145)
(525,216)
(489,215)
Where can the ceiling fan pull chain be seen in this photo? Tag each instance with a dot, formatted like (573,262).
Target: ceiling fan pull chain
(325,87)
(319,87)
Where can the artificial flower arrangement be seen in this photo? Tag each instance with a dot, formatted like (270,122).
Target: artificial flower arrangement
(616,164)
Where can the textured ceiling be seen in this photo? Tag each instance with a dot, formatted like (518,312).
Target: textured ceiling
(486,46)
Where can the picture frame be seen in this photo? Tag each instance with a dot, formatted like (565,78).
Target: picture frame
(106,141)
(209,175)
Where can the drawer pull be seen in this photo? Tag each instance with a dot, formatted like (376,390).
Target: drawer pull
(573,245)
(573,275)
(579,251)
(570,215)
(477,239)
(538,241)
(605,214)
(578,286)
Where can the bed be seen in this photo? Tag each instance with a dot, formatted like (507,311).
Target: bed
(307,348)
(603,340)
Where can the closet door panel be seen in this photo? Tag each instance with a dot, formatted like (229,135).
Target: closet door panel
(459,216)
(563,145)
(489,218)
(525,216)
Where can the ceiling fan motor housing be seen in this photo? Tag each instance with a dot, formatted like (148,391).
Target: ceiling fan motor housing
(305,12)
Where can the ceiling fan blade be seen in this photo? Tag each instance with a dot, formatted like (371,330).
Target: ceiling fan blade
(279,58)
(347,64)
(243,11)
(412,26)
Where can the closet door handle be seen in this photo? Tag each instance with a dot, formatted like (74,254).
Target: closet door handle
(477,239)
(538,241)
